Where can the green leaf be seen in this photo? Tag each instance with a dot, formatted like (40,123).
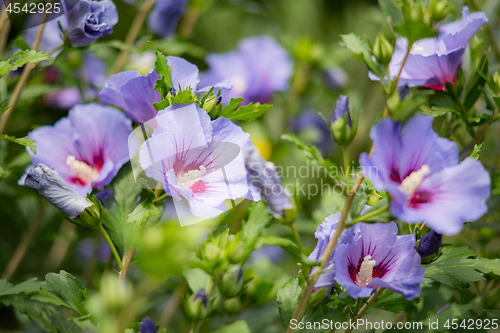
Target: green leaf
(115,218)
(392,9)
(394,302)
(248,112)
(358,204)
(456,268)
(413,26)
(161,105)
(239,326)
(288,299)
(362,52)
(163,84)
(27,286)
(475,151)
(198,279)
(48,297)
(143,211)
(437,111)
(495,183)
(335,315)
(382,217)
(476,82)
(231,107)
(22,141)
(183,97)
(22,58)
(258,220)
(69,289)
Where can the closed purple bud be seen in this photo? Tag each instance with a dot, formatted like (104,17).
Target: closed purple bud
(218,100)
(202,295)
(52,187)
(147,326)
(341,110)
(429,244)
(105,196)
(403,92)
(89,21)
(264,178)
(173,92)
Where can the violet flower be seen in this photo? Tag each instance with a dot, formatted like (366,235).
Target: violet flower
(257,68)
(164,18)
(87,148)
(90,20)
(374,256)
(202,160)
(434,61)
(423,176)
(52,187)
(266,182)
(135,94)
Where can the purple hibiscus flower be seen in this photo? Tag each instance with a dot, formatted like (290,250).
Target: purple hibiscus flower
(434,61)
(423,176)
(135,94)
(374,256)
(258,68)
(196,158)
(87,148)
(165,16)
(90,20)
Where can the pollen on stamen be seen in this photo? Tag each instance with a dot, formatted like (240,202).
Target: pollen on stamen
(84,172)
(189,178)
(365,274)
(413,181)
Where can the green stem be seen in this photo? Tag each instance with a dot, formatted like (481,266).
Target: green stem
(296,236)
(160,198)
(111,245)
(365,307)
(363,217)
(461,108)
(347,171)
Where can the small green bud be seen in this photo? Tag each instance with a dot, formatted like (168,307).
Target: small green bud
(198,306)
(343,128)
(232,305)
(383,50)
(496,81)
(114,292)
(211,253)
(232,282)
(484,235)
(317,296)
(236,252)
(438,10)
(290,215)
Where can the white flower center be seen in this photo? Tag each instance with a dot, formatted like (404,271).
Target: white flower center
(189,178)
(413,181)
(83,171)
(239,84)
(365,274)
(416,49)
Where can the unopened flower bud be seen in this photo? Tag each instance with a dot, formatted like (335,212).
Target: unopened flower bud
(429,244)
(114,292)
(438,10)
(211,253)
(382,50)
(232,305)
(173,92)
(403,92)
(52,187)
(147,326)
(236,252)
(485,235)
(343,131)
(496,81)
(232,282)
(218,100)
(198,306)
